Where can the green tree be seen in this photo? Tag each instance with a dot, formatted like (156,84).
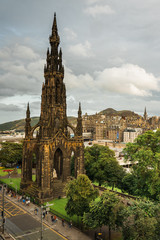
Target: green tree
(102,166)
(139,222)
(11,153)
(144,153)
(80,192)
(129,183)
(104,211)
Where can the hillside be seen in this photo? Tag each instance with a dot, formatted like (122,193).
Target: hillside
(19,124)
(113,112)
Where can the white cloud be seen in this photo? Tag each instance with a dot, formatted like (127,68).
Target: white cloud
(99,10)
(24,52)
(20,70)
(70,34)
(94,1)
(81,50)
(71,98)
(9,107)
(116,61)
(81,82)
(128,79)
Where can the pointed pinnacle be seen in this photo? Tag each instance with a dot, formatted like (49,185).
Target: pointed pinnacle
(28,106)
(54,22)
(28,111)
(60,53)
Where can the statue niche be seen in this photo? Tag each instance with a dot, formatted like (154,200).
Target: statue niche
(58,163)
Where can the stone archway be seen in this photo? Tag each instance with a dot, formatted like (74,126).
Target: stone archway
(58,163)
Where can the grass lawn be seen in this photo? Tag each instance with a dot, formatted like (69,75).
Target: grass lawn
(12,182)
(59,209)
(109,187)
(6,173)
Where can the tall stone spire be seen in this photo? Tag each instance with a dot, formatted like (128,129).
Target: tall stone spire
(79,122)
(54,42)
(54,58)
(28,122)
(53,105)
(53,146)
(145,114)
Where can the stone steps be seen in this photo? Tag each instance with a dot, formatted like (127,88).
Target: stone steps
(32,190)
(58,188)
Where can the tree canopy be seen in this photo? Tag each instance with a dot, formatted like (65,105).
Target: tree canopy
(79,192)
(144,153)
(141,221)
(11,153)
(102,166)
(104,211)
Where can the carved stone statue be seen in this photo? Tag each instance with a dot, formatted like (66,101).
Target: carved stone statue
(54,173)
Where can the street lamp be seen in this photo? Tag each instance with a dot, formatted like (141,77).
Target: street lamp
(44,207)
(3,219)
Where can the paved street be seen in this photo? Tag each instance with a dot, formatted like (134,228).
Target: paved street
(22,223)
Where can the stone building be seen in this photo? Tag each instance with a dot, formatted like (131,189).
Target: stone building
(113,127)
(52,147)
(130,134)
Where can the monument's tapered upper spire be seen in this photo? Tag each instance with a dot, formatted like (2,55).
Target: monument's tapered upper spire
(79,110)
(28,111)
(145,114)
(28,122)
(54,26)
(79,122)
(54,57)
(54,38)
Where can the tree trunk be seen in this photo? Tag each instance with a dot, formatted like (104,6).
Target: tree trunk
(109,233)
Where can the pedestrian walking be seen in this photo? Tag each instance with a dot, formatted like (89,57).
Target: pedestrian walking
(62,222)
(70,224)
(44,214)
(55,218)
(36,211)
(27,202)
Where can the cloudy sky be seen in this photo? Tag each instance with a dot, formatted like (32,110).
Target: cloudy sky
(111,53)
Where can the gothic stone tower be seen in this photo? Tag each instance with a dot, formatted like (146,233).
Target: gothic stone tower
(53,146)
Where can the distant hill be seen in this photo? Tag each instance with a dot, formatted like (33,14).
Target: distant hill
(113,112)
(20,124)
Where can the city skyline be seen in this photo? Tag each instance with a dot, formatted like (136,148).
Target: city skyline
(110,53)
